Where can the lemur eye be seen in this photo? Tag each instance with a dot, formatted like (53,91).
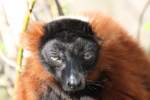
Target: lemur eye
(56,59)
(88,55)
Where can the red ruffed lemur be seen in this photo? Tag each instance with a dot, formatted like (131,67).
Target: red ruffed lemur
(82,59)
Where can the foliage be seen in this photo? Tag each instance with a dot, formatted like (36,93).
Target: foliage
(147,26)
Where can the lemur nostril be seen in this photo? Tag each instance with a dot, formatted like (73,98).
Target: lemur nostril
(73,84)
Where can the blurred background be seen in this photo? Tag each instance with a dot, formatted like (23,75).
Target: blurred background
(133,15)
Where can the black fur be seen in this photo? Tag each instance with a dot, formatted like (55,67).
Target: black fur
(91,92)
(53,95)
(61,28)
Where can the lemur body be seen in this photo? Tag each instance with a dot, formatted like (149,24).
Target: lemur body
(73,59)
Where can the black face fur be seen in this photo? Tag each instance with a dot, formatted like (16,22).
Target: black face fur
(69,50)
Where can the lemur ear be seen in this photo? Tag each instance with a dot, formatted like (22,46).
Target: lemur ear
(30,39)
(93,20)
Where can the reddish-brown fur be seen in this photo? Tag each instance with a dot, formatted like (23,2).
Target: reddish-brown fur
(125,63)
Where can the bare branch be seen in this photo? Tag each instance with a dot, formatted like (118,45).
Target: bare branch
(141,19)
(60,11)
(11,63)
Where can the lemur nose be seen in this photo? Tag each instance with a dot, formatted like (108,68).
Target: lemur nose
(73,82)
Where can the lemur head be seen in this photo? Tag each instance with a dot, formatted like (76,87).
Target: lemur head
(69,51)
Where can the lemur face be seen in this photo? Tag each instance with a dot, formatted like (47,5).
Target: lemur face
(69,51)
(69,62)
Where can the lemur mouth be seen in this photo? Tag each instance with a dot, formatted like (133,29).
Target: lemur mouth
(89,91)
(92,88)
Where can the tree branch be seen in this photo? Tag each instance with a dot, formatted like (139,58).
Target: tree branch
(141,19)
(59,8)
(11,63)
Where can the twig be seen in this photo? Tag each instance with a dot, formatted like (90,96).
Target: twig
(141,19)
(59,8)
(5,16)
(25,25)
(11,63)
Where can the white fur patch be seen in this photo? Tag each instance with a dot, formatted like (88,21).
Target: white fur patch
(82,18)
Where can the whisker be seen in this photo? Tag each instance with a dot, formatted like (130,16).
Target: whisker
(97,81)
(97,85)
(92,89)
